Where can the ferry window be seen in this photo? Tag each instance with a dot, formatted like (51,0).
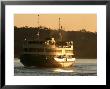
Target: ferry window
(59,57)
(25,49)
(58,50)
(32,50)
(50,50)
(39,49)
(72,55)
(35,42)
(69,56)
(68,51)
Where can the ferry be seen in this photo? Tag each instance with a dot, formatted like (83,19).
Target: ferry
(47,53)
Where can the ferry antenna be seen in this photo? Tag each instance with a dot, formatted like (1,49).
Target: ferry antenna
(59,23)
(38,20)
(60,28)
(38,27)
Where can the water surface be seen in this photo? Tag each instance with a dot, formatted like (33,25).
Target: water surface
(82,67)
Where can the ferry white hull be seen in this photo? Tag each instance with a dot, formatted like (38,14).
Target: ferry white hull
(65,62)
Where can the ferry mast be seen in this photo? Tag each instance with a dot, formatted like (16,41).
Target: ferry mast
(60,33)
(38,27)
(59,23)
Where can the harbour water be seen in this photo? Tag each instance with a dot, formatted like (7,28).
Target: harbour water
(82,67)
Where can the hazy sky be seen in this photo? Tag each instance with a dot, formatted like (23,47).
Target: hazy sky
(68,21)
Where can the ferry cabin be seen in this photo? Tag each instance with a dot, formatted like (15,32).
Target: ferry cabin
(48,48)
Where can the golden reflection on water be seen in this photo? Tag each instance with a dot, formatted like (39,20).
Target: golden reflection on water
(63,70)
